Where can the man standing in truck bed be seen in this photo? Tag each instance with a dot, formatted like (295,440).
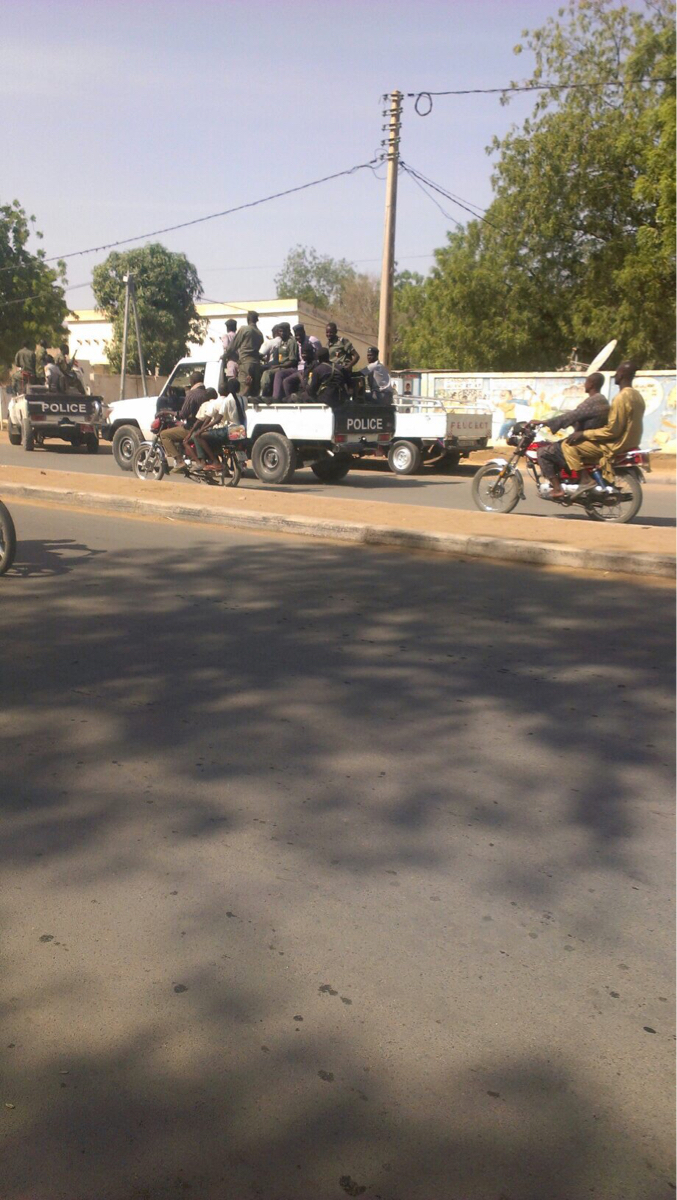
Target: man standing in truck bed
(245,347)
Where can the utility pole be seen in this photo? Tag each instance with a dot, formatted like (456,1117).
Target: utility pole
(130,298)
(392,142)
(123,371)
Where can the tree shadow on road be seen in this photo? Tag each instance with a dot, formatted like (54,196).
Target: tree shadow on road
(348,724)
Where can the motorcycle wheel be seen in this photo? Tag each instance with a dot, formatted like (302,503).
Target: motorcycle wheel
(493,494)
(231,470)
(7,539)
(624,509)
(149,463)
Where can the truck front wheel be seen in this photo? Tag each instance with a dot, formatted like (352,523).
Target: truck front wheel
(27,437)
(126,441)
(404,458)
(274,458)
(332,470)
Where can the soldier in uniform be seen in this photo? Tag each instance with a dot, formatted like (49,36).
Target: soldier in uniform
(70,381)
(24,361)
(245,348)
(341,351)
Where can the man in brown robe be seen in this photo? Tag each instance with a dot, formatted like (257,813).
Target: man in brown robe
(623,430)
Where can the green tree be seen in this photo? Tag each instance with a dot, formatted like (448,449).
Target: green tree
(32,303)
(407,298)
(315,278)
(167,288)
(578,243)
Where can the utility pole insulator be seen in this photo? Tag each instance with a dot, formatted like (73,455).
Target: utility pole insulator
(388,269)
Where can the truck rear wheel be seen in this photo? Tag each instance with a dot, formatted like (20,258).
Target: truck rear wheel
(92,443)
(450,461)
(14,432)
(27,437)
(332,470)
(274,458)
(126,441)
(404,458)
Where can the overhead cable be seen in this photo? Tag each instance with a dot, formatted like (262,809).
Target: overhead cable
(427,97)
(139,237)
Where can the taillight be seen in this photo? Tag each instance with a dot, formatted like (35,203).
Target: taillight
(340,437)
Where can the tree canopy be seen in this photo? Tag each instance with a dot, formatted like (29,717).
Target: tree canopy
(32,303)
(167,287)
(316,278)
(578,244)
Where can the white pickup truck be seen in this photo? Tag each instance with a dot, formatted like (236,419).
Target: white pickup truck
(427,430)
(280,437)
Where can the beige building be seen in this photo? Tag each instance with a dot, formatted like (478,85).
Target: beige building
(89,331)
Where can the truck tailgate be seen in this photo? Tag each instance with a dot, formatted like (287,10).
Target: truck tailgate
(57,408)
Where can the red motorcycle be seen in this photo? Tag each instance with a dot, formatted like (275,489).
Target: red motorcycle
(499,485)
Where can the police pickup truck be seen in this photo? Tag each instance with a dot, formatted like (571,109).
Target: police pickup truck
(40,414)
(280,437)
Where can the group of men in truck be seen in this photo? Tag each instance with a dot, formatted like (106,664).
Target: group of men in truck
(38,366)
(295,363)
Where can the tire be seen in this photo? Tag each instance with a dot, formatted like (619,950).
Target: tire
(332,470)
(92,443)
(14,432)
(405,458)
(507,491)
(231,471)
(624,510)
(27,435)
(126,441)
(149,463)
(274,458)
(7,539)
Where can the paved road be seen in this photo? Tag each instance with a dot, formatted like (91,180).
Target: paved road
(330,872)
(376,482)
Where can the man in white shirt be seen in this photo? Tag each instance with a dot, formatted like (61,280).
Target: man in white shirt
(220,415)
(378,378)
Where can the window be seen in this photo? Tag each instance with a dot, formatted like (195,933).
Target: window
(179,381)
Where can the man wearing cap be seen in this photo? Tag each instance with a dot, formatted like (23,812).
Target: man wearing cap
(245,349)
(378,378)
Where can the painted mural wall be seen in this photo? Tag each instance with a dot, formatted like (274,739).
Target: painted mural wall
(523,397)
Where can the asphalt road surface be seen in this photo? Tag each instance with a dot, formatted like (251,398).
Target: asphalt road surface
(330,872)
(374,481)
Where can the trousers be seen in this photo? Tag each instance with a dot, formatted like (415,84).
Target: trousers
(551,460)
(171,440)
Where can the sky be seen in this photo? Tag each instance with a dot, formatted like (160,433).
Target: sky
(120,118)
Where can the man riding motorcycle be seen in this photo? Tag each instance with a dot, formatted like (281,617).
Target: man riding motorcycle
(592,413)
(623,430)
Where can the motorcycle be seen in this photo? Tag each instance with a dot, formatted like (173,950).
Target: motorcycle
(150,459)
(499,485)
(7,539)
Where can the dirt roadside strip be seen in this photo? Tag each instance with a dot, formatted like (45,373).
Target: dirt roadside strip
(578,545)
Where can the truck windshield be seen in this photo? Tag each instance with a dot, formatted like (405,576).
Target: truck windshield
(179,381)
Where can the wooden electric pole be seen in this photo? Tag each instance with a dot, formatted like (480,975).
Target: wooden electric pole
(385,319)
(130,297)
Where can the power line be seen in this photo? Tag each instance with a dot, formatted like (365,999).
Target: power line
(210,216)
(432,198)
(478,216)
(417,97)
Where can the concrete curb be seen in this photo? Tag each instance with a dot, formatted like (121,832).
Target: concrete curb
(454,545)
